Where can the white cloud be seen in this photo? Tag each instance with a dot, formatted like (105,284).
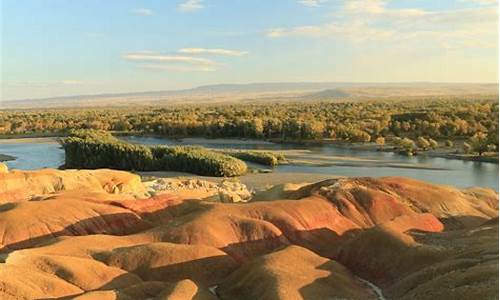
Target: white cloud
(173,63)
(356,31)
(186,59)
(311,3)
(212,51)
(142,11)
(481,2)
(150,56)
(368,6)
(190,5)
(373,20)
(176,68)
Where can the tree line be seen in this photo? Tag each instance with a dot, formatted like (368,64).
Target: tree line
(437,119)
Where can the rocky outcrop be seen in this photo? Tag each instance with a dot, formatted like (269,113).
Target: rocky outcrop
(226,191)
(316,242)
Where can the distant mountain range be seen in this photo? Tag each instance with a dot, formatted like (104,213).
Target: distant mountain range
(279,91)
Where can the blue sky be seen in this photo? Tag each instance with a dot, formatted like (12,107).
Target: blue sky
(67,47)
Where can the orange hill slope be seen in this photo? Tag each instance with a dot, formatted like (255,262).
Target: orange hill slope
(105,242)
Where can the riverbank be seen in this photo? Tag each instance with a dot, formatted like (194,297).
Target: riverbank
(448,153)
(488,158)
(308,158)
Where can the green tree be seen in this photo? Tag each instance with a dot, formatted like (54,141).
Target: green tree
(467,148)
(492,148)
(380,141)
(479,143)
(397,141)
(433,143)
(408,145)
(423,143)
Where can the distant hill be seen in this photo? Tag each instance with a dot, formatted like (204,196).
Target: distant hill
(282,91)
(273,87)
(397,90)
(328,94)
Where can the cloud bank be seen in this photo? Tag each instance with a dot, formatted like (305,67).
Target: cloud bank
(375,20)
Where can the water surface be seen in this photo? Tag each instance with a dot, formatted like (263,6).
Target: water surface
(344,161)
(33,155)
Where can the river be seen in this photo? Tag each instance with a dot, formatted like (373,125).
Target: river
(36,154)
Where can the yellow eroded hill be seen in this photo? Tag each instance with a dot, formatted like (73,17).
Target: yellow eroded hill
(97,235)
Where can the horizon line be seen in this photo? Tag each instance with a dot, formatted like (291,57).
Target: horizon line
(117,93)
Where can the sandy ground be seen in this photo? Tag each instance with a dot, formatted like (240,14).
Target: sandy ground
(257,181)
(301,157)
(491,157)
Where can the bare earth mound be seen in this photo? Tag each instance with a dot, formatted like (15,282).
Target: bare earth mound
(100,235)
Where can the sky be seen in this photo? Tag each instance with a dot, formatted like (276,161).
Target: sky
(72,47)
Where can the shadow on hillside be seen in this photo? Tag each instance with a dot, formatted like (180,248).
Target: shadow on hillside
(385,259)
(462,222)
(375,253)
(114,224)
(205,272)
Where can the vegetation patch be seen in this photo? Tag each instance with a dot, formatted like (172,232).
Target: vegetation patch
(263,158)
(99,149)
(5,157)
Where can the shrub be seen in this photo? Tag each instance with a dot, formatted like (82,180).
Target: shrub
(197,160)
(264,158)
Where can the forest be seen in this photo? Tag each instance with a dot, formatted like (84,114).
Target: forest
(411,123)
